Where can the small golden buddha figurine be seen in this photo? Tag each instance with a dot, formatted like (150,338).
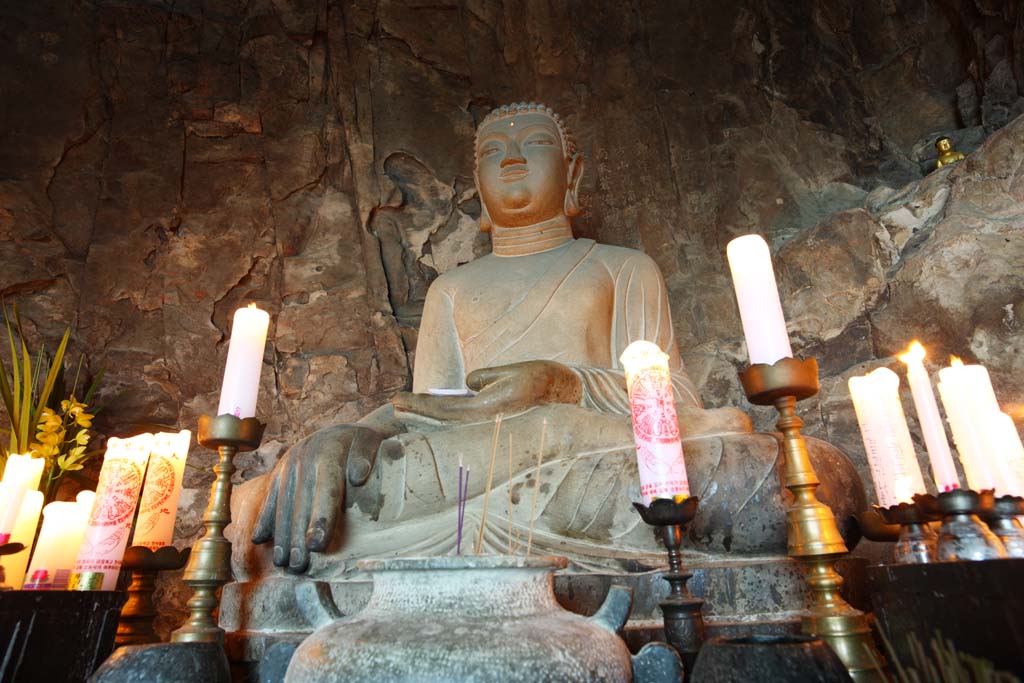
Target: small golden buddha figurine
(947,155)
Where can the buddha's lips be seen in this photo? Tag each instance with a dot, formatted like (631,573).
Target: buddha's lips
(514,173)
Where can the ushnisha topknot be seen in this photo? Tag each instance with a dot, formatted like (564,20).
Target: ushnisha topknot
(516,108)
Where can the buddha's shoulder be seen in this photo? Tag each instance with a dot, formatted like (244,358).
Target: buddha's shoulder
(622,257)
(466,273)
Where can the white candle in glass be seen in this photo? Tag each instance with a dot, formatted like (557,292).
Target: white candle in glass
(931,422)
(245,362)
(659,450)
(22,473)
(158,509)
(110,520)
(24,532)
(890,450)
(753,277)
(58,544)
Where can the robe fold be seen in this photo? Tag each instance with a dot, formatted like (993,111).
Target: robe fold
(593,299)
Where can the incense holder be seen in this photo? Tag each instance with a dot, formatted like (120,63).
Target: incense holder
(476,618)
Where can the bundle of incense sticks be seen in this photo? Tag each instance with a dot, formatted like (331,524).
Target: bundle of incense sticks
(461,504)
(487,489)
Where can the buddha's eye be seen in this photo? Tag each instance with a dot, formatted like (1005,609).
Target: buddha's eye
(541,141)
(489,150)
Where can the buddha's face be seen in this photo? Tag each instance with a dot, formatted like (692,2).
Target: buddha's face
(522,173)
(943,145)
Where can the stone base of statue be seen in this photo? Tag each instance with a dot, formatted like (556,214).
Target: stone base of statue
(736,545)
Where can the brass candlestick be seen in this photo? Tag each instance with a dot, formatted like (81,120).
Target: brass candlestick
(813,536)
(209,567)
(135,627)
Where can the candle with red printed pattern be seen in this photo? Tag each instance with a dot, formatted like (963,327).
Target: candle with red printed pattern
(659,451)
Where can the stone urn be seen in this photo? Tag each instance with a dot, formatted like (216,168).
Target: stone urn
(476,618)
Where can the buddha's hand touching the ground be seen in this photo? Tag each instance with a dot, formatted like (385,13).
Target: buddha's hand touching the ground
(307,491)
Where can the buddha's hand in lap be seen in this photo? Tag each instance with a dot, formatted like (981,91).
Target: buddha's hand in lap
(307,491)
(501,390)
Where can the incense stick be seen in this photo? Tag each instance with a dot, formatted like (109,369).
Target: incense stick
(458,512)
(490,480)
(510,493)
(536,486)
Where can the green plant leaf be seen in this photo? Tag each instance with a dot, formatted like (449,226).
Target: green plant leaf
(87,399)
(56,368)
(25,410)
(12,411)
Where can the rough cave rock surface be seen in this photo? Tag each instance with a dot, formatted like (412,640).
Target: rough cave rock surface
(165,162)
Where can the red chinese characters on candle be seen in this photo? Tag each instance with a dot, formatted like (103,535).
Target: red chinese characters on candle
(655,426)
(109,525)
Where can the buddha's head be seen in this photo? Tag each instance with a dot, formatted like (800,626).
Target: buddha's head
(527,168)
(943,144)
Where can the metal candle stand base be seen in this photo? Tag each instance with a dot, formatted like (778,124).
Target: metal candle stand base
(812,533)
(209,566)
(135,627)
(684,623)
(917,542)
(963,536)
(1003,520)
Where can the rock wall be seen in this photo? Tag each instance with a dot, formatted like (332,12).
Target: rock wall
(165,161)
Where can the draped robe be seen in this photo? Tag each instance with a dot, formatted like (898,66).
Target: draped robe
(579,304)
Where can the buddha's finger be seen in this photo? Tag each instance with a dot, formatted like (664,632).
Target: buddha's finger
(327,501)
(436,407)
(478,379)
(264,529)
(283,515)
(298,553)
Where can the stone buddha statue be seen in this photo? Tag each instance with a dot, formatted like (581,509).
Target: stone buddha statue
(531,332)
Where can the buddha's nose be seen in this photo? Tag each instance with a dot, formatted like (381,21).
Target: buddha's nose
(513,155)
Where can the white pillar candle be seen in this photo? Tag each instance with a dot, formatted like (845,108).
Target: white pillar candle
(1007,454)
(967,397)
(22,473)
(110,520)
(58,544)
(659,451)
(931,422)
(25,533)
(245,362)
(764,325)
(158,509)
(883,426)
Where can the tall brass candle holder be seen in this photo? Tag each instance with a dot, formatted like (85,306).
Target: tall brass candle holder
(209,566)
(135,627)
(813,536)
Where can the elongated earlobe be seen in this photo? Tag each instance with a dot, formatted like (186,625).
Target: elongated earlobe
(485,219)
(571,206)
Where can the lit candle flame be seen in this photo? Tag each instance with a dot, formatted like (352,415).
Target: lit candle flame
(252,305)
(955,362)
(914,354)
